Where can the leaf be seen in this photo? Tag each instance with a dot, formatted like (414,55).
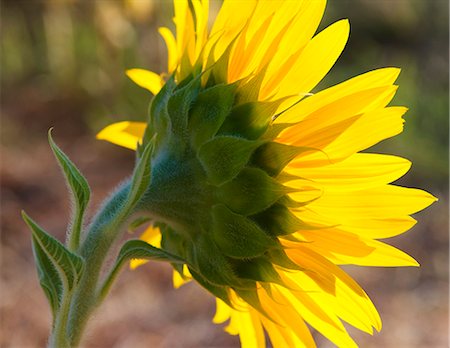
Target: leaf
(48,277)
(223,157)
(68,265)
(80,191)
(141,176)
(138,249)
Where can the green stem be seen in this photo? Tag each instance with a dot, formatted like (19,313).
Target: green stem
(83,300)
(58,337)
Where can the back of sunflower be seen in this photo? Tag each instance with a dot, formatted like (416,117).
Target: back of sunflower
(248,183)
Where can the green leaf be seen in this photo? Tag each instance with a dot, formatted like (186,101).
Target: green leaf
(68,265)
(237,236)
(250,192)
(80,191)
(223,157)
(141,176)
(137,249)
(209,111)
(48,277)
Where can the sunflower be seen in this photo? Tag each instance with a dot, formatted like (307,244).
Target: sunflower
(259,185)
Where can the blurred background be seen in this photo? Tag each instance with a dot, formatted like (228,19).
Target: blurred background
(62,66)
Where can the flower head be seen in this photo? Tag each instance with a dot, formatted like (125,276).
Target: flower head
(258,184)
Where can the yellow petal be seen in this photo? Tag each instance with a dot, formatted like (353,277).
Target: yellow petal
(347,248)
(359,171)
(372,79)
(326,124)
(178,280)
(367,130)
(230,20)
(146,79)
(247,324)
(223,312)
(381,202)
(152,235)
(368,227)
(305,23)
(348,296)
(172,53)
(318,316)
(126,134)
(316,60)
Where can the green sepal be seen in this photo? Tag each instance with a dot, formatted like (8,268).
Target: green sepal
(209,111)
(139,249)
(223,157)
(79,188)
(278,220)
(179,104)
(218,291)
(238,237)
(258,269)
(249,120)
(141,176)
(172,241)
(218,71)
(213,265)
(249,88)
(279,257)
(48,277)
(251,297)
(275,129)
(68,265)
(273,157)
(250,192)
(159,120)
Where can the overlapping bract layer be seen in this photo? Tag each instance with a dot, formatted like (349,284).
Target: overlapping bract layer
(259,185)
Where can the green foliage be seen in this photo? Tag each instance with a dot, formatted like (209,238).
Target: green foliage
(79,188)
(223,157)
(48,277)
(69,266)
(138,249)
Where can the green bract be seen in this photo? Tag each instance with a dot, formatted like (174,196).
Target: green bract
(214,189)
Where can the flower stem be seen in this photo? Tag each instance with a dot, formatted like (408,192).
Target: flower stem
(79,304)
